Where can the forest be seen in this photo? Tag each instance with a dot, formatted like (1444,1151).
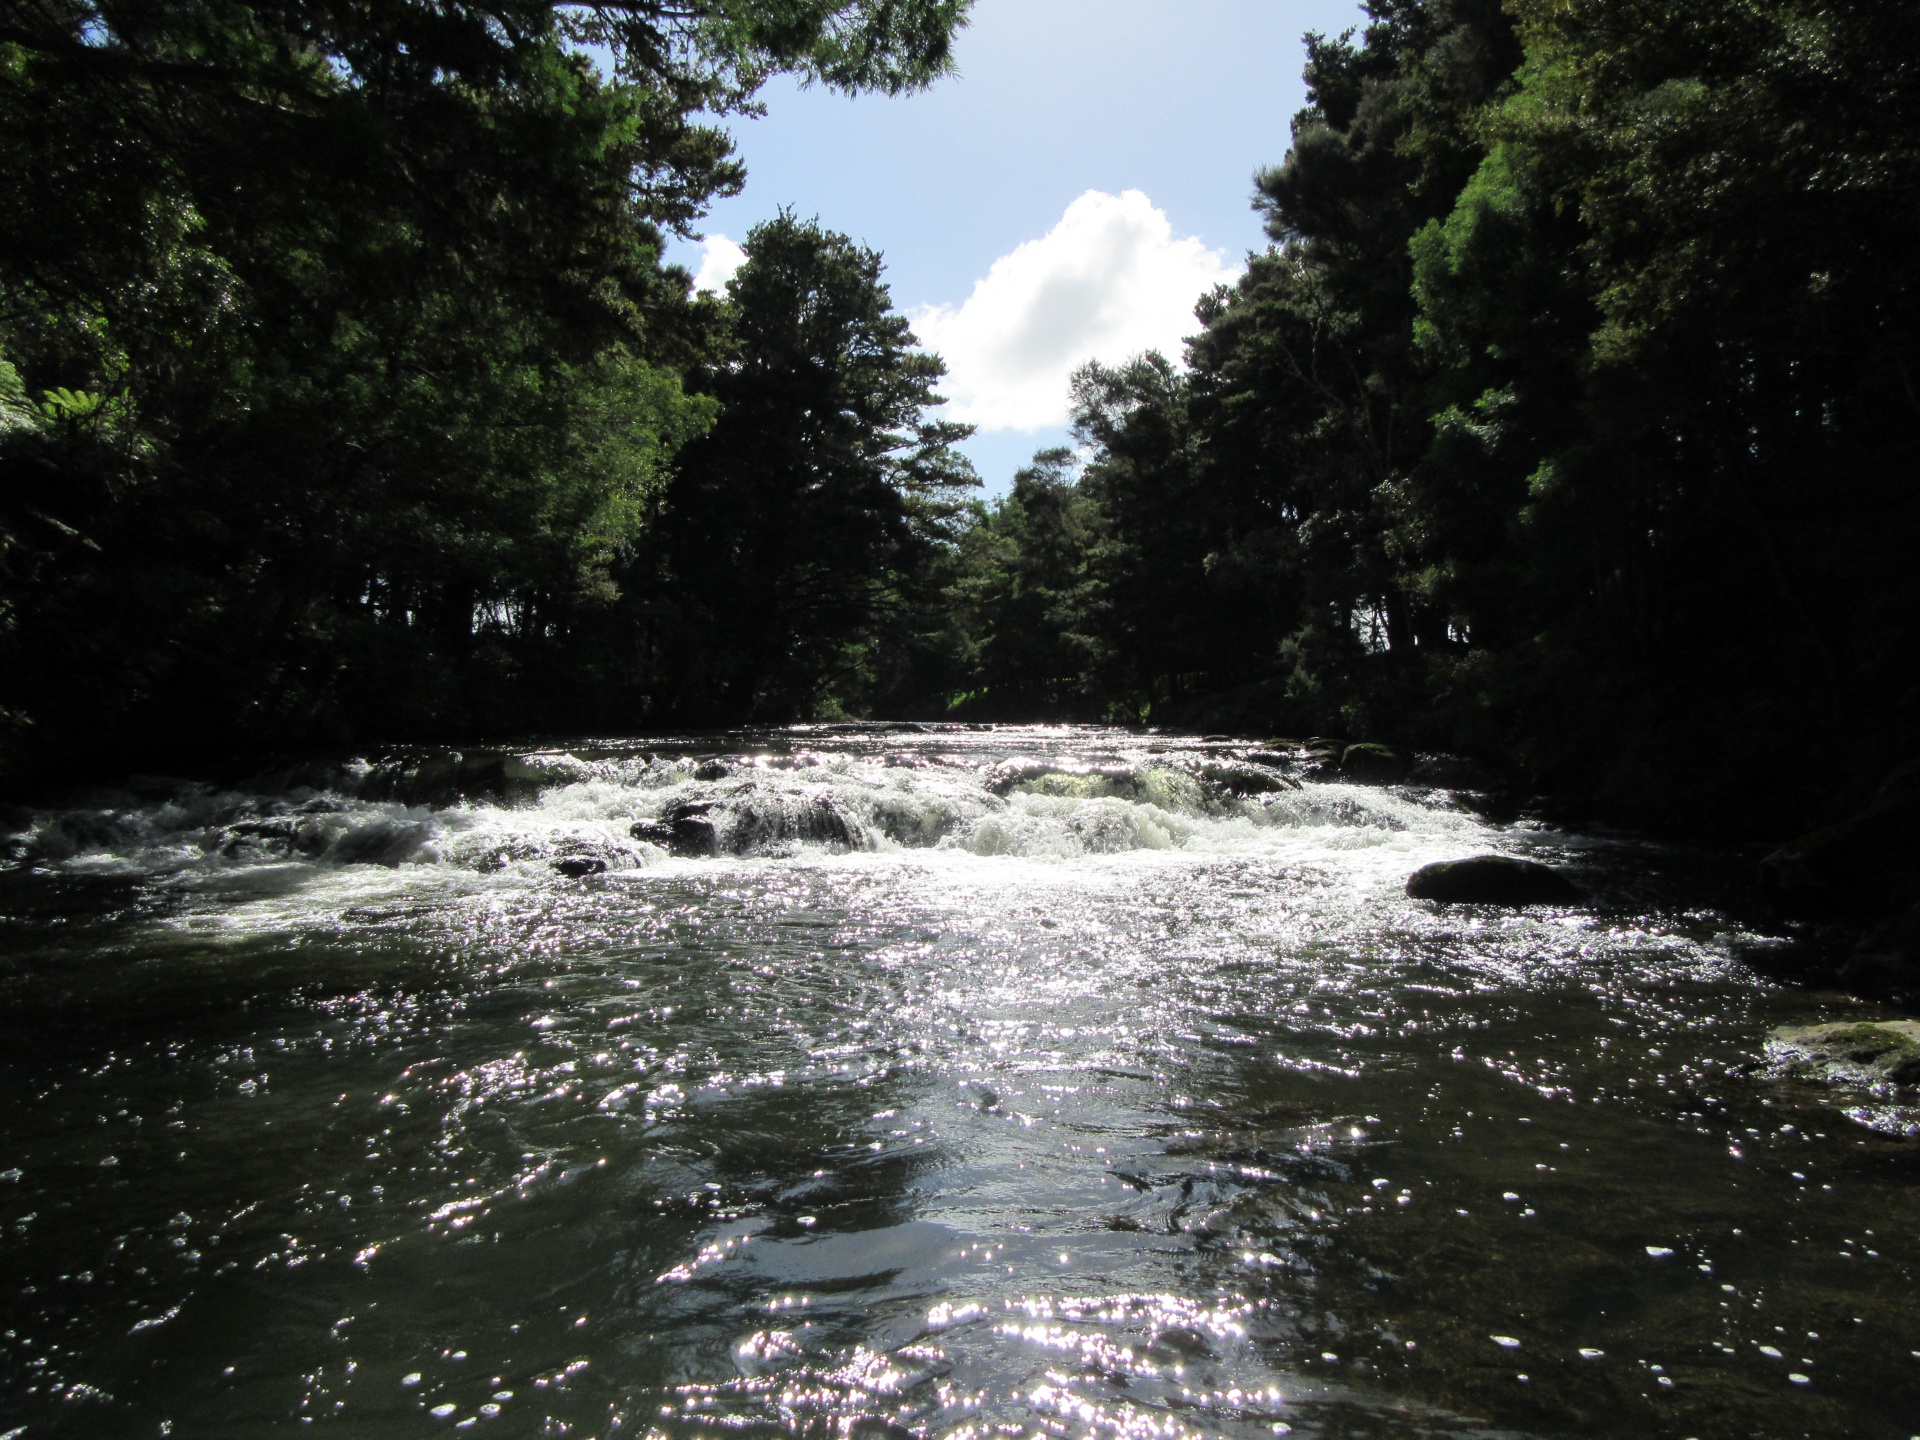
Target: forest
(1568,421)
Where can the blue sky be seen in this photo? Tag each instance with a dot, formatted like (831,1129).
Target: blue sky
(978,191)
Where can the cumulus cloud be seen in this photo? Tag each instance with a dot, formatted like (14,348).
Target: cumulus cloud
(1105,283)
(720,257)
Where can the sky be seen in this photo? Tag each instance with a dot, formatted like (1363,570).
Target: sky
(1068,195)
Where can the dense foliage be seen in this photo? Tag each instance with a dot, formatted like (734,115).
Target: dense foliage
(1571,419)
(338,369)
(793,570)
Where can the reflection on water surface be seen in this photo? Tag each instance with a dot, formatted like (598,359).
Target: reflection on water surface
(980,1083)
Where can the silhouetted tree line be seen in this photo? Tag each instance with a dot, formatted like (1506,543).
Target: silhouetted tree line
(1569,420)
(341,380)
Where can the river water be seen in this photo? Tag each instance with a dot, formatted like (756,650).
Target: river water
(982,1082)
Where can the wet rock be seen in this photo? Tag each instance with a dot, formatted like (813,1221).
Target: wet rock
(1247,779)
(575,867)
(712,770)
(437,778)
(1009,773)
(1875,1052)
(654,832)
(74,832)
(1452,772)
(768,822)
(1270,757)
(1493,880)
(1557,809)
(691,830)
(1374,763)
(384,842)
(827,823)
(273,836)
(1325,753)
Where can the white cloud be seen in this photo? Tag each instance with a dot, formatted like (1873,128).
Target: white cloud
(1107,282)
(720,259)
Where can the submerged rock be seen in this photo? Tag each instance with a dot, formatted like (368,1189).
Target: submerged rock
(575,867)
(1493,880)
(1854,1052)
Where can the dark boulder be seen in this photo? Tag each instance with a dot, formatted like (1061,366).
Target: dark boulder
(1270,757)
(691,830)
(687,830)
(1564,810)
(383,842)
(1324,755)
(770,822)
(1453,772)
(826,822)
(1374,764)
(575,867)
(1246,779)
(1493,880)
(273,837)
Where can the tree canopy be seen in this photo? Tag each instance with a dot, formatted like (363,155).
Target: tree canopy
(338,367)
(1568,420)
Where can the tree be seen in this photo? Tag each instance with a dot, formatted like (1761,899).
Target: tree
(796,547)
(1025,596)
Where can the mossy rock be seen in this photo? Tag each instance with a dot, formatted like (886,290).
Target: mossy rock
(1861,1052)
(1493,880)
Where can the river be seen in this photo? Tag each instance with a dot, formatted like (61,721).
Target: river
(981,1082)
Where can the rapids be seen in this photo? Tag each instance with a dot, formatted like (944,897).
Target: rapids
(928,1081)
